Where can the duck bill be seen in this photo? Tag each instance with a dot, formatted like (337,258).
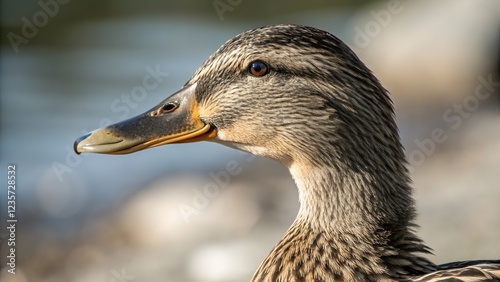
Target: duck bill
(175,120)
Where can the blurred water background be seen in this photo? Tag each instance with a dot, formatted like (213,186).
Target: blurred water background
(141,217)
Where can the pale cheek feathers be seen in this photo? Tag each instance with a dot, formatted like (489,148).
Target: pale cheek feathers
(255,139)
(241,132)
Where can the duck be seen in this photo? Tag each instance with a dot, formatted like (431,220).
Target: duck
(299,95)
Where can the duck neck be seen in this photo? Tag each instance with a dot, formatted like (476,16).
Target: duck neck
(352,225)
(366,217)
(339,198)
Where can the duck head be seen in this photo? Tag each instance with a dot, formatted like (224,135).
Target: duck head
(286,92)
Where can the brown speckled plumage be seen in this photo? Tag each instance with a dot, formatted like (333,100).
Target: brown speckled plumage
(321,112)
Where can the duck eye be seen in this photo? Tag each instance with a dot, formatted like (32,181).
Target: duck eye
(167,108)
(258,68)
